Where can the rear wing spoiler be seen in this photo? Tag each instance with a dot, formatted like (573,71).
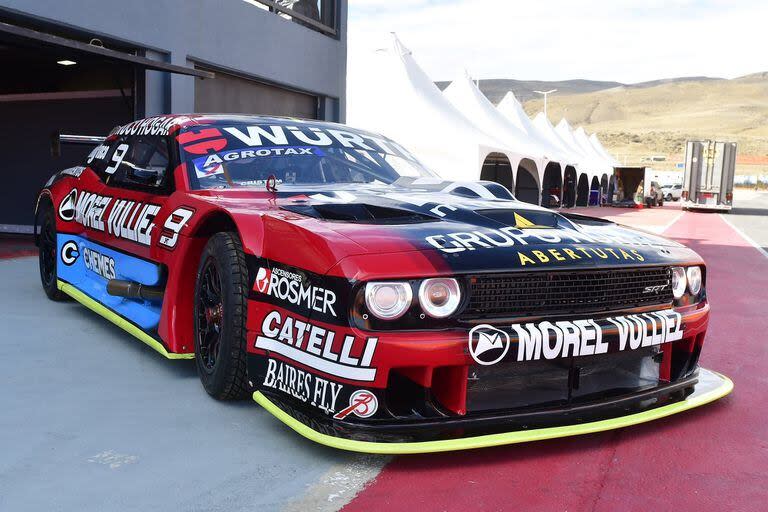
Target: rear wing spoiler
(57,139)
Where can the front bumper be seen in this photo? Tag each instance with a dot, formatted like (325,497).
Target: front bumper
(704,387)
(690,205)
(428,394)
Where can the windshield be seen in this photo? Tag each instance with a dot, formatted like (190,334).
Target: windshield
(248,155)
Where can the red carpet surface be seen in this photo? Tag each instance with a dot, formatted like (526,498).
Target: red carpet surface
(714,458)
(16,247)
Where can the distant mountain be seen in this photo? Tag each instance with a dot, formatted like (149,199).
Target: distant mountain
(637,121)
(495,88)
(678,80)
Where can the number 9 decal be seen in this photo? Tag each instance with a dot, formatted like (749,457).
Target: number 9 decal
(172,226)
(117,158)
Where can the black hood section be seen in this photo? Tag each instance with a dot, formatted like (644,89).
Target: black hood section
(413,202)
(514,217)
(360,213)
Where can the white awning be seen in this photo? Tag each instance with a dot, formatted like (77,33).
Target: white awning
(390,94)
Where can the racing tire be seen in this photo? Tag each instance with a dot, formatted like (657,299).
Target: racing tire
(47,256)
(221,309)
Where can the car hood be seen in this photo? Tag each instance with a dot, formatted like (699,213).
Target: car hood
(479,227)
(458,227)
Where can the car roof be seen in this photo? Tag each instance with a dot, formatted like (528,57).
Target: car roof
(183,121)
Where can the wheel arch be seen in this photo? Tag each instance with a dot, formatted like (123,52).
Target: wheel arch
(176,327)
(42,198)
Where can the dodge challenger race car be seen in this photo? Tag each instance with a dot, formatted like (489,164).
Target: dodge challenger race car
(363,301)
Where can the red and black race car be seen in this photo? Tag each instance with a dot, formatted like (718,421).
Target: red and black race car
(365,302)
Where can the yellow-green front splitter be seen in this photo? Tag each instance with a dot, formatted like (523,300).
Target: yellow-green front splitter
(102,310)
(712,384)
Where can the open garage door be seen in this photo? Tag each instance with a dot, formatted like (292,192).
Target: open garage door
(43,97)
(230,94)
(26,126)
(54,84)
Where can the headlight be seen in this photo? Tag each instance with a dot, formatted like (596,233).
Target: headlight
(694,280)
(439,297)
(678,282)
(388,301)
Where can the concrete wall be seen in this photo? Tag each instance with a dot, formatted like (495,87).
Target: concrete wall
(229,34)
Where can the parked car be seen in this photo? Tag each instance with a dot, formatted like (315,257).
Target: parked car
(672,192)
(362,300)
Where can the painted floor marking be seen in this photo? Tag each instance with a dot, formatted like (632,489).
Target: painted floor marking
(744,236)
(669,224)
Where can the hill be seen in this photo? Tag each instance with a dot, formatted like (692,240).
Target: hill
(495,88)
(656,118)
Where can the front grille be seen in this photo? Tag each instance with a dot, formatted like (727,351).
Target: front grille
(571,381)
(567,292)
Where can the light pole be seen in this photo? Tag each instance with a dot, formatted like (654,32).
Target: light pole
(545,94)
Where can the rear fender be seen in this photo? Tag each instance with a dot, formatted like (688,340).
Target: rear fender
(44,196)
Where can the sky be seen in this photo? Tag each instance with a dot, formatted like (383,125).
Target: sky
(627,41)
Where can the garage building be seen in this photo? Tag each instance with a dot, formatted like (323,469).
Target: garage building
(83,67)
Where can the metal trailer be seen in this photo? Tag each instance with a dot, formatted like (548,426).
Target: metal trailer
(708,178)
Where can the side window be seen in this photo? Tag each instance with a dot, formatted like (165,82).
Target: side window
(137,162)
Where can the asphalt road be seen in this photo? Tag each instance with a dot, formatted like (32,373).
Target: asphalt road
(93,420)
(750,215)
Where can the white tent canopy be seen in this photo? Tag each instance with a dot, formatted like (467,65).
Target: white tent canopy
(588,164)
(513,112)
(531,175)
(545,129)
(602,151)
(395,97)
(565,132)
(602,164)
(470,101)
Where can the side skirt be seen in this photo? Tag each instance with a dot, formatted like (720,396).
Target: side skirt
(119,321)
(714,386)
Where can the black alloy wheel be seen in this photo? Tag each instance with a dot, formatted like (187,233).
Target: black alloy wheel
(210,312)
(47,258)
(221,306)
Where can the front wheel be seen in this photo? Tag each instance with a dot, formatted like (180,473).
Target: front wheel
(669,197)
(47,253)
(221,308)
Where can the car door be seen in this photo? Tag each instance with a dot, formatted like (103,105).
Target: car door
(137,181)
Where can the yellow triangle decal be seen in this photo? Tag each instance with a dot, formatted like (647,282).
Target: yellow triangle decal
(522,222)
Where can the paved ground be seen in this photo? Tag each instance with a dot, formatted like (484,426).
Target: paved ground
(16,247)
(750,215)
(94,420)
